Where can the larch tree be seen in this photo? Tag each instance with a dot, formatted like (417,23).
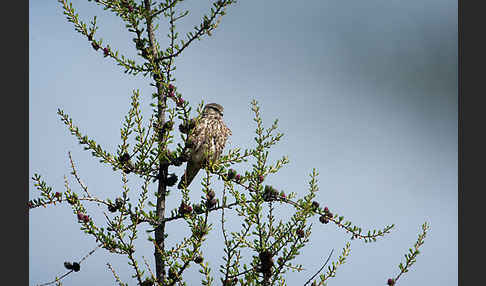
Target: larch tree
(264,249)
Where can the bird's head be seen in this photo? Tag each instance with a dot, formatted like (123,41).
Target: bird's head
(212,108)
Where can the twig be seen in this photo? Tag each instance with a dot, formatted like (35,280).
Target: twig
(117,278)
(76,175)
(327,260)
(198,33)
(69,272)
(411,257)
(228,262)
(91,252)
(178,216)
(165,8)
(149,269)
(57,279)
(244,272)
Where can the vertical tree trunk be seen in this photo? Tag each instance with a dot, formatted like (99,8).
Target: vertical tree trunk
(160,230)
(163,168)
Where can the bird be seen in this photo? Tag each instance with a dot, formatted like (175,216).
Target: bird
(205,142)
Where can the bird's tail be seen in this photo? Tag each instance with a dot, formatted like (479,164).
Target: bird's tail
(189,175)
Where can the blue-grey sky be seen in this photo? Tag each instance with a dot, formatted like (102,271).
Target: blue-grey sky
(365,92)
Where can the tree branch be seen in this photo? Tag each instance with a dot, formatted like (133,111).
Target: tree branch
(320,269)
